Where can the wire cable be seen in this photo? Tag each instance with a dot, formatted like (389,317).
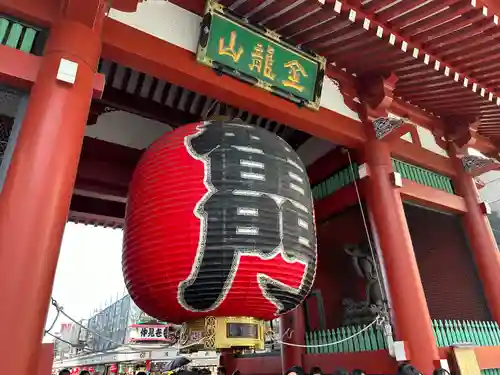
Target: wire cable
(66,342)
(60,309)
(365,224)
(119,344)
(53,323)
(380,318)
(376,320)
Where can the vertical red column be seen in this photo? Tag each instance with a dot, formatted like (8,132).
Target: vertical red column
(293,331)
(481,239)
(36,195)
(413,322)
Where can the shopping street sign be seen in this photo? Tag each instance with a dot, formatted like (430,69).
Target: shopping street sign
(259,57)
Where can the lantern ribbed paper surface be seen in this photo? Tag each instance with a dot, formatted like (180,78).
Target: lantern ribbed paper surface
(219,222)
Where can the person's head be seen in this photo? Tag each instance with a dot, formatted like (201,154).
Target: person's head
(65,371)
(84,372)
(141,373)
(295,370)
(407,369)
(316,371)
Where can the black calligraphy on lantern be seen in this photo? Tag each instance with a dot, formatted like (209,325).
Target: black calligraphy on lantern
(259,203)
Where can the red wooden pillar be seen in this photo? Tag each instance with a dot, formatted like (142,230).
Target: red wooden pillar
(36,195)
(46,359)
(413,322)
(481,239)
(293,331)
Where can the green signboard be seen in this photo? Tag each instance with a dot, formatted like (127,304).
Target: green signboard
(259,56)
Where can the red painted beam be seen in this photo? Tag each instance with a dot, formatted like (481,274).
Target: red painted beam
(414,154)
(337,202)
(105,170)
(131,47)
(411,191)
(326,165)
(41,13)
(19,69)
(432,198)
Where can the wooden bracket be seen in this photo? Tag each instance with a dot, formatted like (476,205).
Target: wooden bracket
(346,85)
(377,95)
(363,171)
(396,179)
(485,208)
(461,132)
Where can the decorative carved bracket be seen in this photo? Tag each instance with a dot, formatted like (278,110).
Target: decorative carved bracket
(385,125)
(477,165)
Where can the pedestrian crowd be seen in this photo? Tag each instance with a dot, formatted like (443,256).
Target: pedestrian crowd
(404,369)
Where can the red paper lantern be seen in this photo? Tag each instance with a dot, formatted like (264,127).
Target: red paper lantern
(219,223)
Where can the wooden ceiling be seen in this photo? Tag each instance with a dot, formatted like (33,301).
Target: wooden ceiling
(150,97)
(445,52)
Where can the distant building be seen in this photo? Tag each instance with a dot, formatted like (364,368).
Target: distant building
(121,323)
(73,343)
(490,193)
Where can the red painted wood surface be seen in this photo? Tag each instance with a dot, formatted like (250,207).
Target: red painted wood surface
(455,33)
(409,306)
(482,242)
(19,69)
(143,52)
(432,198)
(46,359)
(377,362)
(36,196)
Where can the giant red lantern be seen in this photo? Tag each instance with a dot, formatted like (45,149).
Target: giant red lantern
(219,223)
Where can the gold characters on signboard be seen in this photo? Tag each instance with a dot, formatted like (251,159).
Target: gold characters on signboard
(268,64)
(263,61)
(230,49)
(258,56)
(295,73)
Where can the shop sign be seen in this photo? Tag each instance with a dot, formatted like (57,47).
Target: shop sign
(260,57)
(143,332)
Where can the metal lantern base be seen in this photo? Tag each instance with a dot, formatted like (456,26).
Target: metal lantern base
(213,333)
